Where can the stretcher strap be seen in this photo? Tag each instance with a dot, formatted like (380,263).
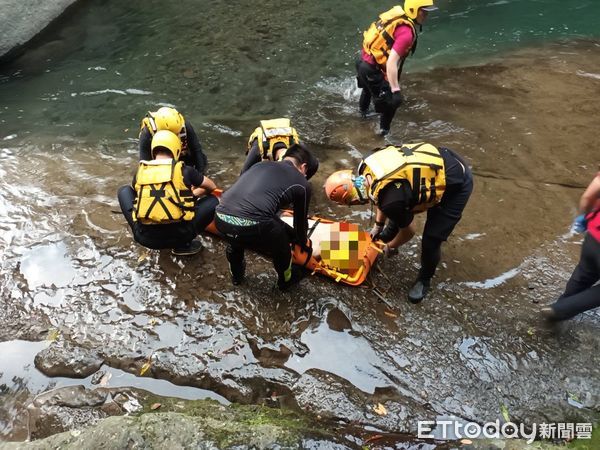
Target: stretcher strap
(312,229)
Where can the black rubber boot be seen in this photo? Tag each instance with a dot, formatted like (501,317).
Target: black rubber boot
(191,248)
(239,276)
(297,275)
(237,265)
(418,291)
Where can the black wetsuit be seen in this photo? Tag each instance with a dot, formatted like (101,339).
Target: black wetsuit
(194,156)
(172,235)
(252,157)
(375,87)
(397,202)
(248,214)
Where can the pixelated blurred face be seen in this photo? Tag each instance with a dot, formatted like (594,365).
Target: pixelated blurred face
(346,247)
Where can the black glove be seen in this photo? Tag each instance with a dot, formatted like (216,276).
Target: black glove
(383,101)
(396,99)
(389,232)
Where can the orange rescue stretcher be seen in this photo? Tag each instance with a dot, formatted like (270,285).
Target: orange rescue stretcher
(340,250)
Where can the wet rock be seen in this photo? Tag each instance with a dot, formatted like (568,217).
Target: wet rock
(63,360)
(48,421)
(338,321)
(71,396)
(270,357)
(21,25)
(207,426)
(330,396)
(97,377)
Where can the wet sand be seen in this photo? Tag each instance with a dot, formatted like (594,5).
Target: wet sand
(527,126)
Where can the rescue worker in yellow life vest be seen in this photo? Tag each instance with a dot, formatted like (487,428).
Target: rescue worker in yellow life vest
(163,206)
(386,44)
(270,141)
(403,181)
(170,119)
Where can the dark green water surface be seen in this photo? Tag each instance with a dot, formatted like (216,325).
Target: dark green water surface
(228,64)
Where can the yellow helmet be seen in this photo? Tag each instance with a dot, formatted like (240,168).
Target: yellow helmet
(411,7)
(344,188)
(167,140)
(166,119)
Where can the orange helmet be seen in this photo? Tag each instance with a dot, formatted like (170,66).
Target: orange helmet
(344,188)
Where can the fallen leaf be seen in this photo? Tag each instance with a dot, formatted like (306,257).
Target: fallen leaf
(143,257)
(530,331)
(53,335)
(146,367)
(466,441)
(155,406)
(504,411)
(390,314)
(380,409)
(373,438)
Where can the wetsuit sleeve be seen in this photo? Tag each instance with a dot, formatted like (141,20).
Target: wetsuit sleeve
(252,158)
(301,200)
(145,144)
(191,177)
(196,157)
(394,202)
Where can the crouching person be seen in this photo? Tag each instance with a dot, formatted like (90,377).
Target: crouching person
(248,215)
(162,206)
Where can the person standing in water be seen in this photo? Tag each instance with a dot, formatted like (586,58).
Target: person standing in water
(386,44)
(581,293)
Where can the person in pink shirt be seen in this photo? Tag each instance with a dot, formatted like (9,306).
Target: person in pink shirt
(386,44)
(582,292)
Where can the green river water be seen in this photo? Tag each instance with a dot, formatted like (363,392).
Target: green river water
(227,64)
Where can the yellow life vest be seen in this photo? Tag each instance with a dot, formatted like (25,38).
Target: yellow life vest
(271,132)
(148,122)
(161,195)
(379,38)
(420,164)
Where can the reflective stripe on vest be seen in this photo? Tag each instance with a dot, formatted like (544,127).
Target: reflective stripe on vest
(379,38)
(271,132)
(161,194)
(420,164)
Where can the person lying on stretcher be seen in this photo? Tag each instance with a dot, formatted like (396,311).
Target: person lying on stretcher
(338,245)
